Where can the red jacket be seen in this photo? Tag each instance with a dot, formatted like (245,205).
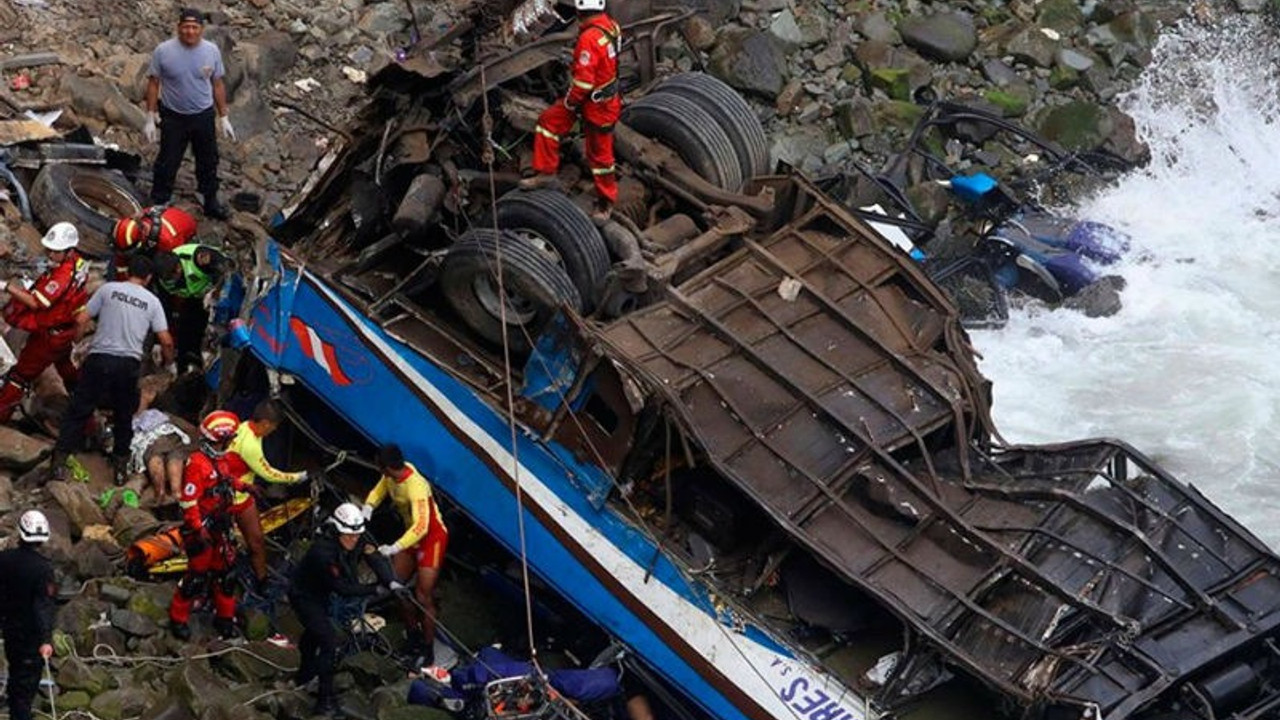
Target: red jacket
(595,71)
(208,485)
(60,292)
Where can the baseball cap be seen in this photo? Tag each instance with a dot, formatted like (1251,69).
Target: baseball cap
(190,15)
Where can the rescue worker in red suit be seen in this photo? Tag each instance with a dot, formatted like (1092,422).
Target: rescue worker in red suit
(594,93)
(52,313)
(157,229)
(211,479)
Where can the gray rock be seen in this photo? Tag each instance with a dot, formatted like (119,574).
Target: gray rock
(1065,16)
(121,703)
(998,73)
(1101,299)
(945,36)
(794,144)
(750,61)
(896,71)
(6,494)
(1032,46)
(100,97)
(854,118)
(1074,59)
(831,56)
(383,19)
(113,593)
(132,623)
(876,27)
(78,503)
(269,55)
(75,674)
(92,560)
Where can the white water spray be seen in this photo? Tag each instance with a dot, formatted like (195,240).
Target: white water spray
(1189,370)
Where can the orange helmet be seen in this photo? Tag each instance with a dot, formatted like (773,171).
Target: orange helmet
(158,227)
(219,426)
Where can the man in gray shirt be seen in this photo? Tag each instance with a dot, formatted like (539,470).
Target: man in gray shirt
(185,96)
(126,312)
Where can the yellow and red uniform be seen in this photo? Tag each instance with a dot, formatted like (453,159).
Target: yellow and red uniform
(247,444)
(424,528)
(60,296)
(206,502)
(595,93)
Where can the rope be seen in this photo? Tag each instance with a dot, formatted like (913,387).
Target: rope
(487,126)
(53,706)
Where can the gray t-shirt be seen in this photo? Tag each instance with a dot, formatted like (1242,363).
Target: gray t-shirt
(125,312)
(186,74)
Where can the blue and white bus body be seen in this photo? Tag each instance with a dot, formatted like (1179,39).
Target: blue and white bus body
(610,570)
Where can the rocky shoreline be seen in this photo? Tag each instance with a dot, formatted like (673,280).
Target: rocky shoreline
(835,82)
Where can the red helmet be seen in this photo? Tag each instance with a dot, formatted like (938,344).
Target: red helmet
(219,426)
(158,227)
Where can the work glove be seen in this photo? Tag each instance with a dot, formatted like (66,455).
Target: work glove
(149,130)
(171,369)
(302,476)
(388,550)
(396,586)
(367,512)
(228,132)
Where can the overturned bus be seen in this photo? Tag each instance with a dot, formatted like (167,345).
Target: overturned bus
(737,429)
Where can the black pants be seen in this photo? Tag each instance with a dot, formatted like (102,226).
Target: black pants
(176,132)
(25,666)
(319,643)
(110,378)
(188,319)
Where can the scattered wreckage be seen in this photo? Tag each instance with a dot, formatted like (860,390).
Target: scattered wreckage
(737,428)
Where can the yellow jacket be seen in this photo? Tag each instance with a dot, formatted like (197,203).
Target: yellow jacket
(413,500)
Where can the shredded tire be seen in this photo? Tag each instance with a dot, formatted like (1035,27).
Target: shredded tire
(692,132)
(536,287)
(731,111)
(551,221)
(90,197)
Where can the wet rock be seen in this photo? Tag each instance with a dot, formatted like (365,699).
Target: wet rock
(120,704)
(151,601)
(750,61)
(1065,16)
(19,451)
(897,72)
(78,503)
(262,662)
(114,594)
(1074,59)
(75,674)
(1081,125)
(1101,299)
(877,28)
(854,118)
(92,560)
(72,701)
(132,623)
(1032,46)
(945,36)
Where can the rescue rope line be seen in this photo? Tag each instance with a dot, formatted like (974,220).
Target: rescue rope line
(53,705)
(486,124)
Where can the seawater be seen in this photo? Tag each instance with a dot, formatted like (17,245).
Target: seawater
(1189,370)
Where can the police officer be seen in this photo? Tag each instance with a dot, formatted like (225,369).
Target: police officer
(126,312)
(210,481)
(27,607)
(186,275)
(52,313)
(594,93)
(328,569)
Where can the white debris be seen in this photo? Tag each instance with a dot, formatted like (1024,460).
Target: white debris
(354,75)
(789,289)
(307,84)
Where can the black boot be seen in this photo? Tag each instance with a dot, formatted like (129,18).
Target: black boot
(181,631)
(58,469)
(226,628)
(327,706)
(214,209)
(120,469)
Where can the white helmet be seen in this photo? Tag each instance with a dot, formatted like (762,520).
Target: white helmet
(62,236)
(348,519)
(589,5)
(33,527)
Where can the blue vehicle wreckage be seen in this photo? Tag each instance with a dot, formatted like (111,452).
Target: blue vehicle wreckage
(737,429)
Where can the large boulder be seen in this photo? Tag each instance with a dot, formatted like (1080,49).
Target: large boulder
(944,36)
(750,61)
(19,451)
(78,503)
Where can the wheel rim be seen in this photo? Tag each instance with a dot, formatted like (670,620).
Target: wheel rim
(103,197)
(520,310)
(544,246)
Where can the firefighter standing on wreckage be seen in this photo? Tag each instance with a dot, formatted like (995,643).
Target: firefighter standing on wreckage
(595,95)
(214,473)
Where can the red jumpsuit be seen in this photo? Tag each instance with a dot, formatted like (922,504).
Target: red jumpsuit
(157,229)
(207,488)
(51,328)
(595,92)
